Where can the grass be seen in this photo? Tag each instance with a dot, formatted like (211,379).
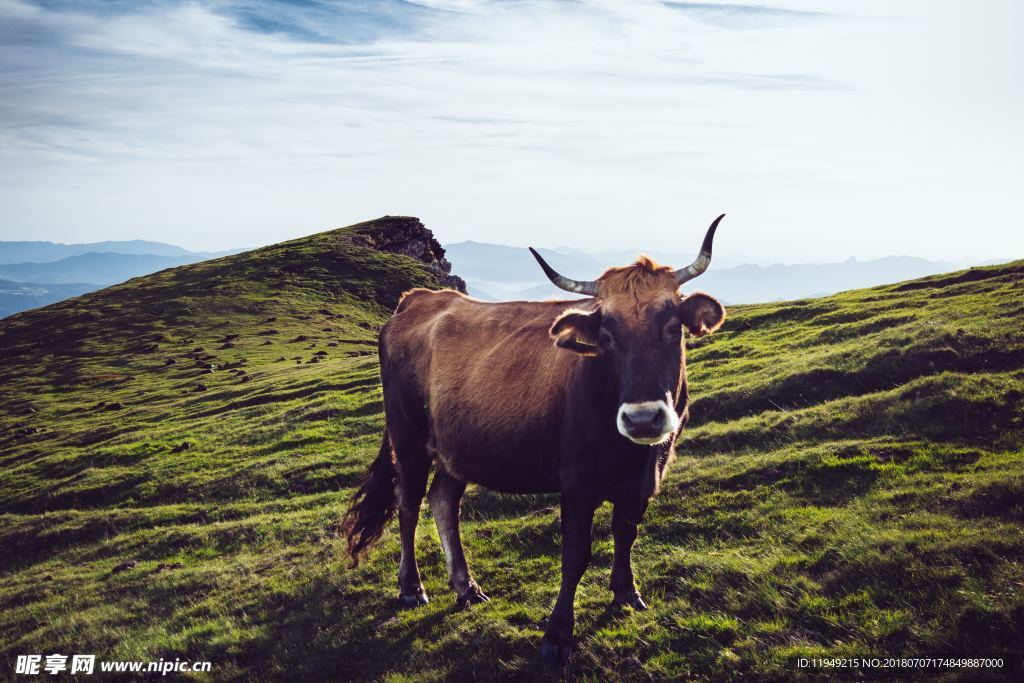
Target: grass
(851,484)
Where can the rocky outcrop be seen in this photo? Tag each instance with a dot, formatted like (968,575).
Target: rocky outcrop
(408,236)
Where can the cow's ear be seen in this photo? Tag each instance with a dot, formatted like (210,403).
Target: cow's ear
(577,331)
(701,313)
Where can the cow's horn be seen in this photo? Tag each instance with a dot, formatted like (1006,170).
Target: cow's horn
(588,287)
(703,259)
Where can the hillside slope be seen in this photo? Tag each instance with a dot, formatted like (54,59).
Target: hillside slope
(851,484)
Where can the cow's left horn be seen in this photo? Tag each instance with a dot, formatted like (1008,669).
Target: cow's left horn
(703,259)
(588,287)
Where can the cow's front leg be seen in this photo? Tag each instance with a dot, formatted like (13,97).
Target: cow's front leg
(577,520)
(624,530)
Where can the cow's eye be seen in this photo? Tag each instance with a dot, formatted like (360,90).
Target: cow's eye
(605,340)
(673,334)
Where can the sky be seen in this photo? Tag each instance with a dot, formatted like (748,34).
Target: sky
(823,130)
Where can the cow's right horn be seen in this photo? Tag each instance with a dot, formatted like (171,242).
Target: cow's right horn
(588,287)
(703,259)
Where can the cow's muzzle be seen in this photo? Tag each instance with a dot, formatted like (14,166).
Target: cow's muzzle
(648,422)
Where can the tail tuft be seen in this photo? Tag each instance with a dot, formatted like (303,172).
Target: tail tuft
(373,505)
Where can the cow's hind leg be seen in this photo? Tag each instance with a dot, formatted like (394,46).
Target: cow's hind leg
(445,499)
(413,465)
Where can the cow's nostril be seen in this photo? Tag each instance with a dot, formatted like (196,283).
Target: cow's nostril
(626,419)
(657,419)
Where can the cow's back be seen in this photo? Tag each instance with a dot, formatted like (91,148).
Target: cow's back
(492,384)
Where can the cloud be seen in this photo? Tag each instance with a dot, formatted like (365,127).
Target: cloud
(730,15)
(241,122)
(181,81)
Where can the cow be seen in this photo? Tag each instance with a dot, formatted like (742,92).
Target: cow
(583,397)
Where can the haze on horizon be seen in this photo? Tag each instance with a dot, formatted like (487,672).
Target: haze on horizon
(823,129)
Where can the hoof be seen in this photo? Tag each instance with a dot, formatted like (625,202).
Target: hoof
(554,655)
(634,601)
(474,596)
(410,600)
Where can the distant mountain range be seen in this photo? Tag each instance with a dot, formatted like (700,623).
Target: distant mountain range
(101,269)
(499,272)
(48,252)
(34,274)
(20,296)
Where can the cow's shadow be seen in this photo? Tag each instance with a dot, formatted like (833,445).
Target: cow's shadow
(328,632)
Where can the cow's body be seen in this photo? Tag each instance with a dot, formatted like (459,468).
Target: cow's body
(478,391)
(511,416)
(491,409)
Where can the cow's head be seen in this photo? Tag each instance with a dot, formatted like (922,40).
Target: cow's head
(637,329)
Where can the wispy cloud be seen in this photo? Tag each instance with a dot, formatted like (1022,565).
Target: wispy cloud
(242,122)
(745,16)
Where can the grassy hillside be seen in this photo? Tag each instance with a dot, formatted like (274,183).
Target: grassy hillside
(851,485)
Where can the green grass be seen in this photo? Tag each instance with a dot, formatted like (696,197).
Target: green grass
(851,484)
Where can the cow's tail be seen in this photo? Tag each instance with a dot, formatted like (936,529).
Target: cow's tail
(373,505)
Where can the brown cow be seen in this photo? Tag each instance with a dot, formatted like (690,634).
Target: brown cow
(479,391)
